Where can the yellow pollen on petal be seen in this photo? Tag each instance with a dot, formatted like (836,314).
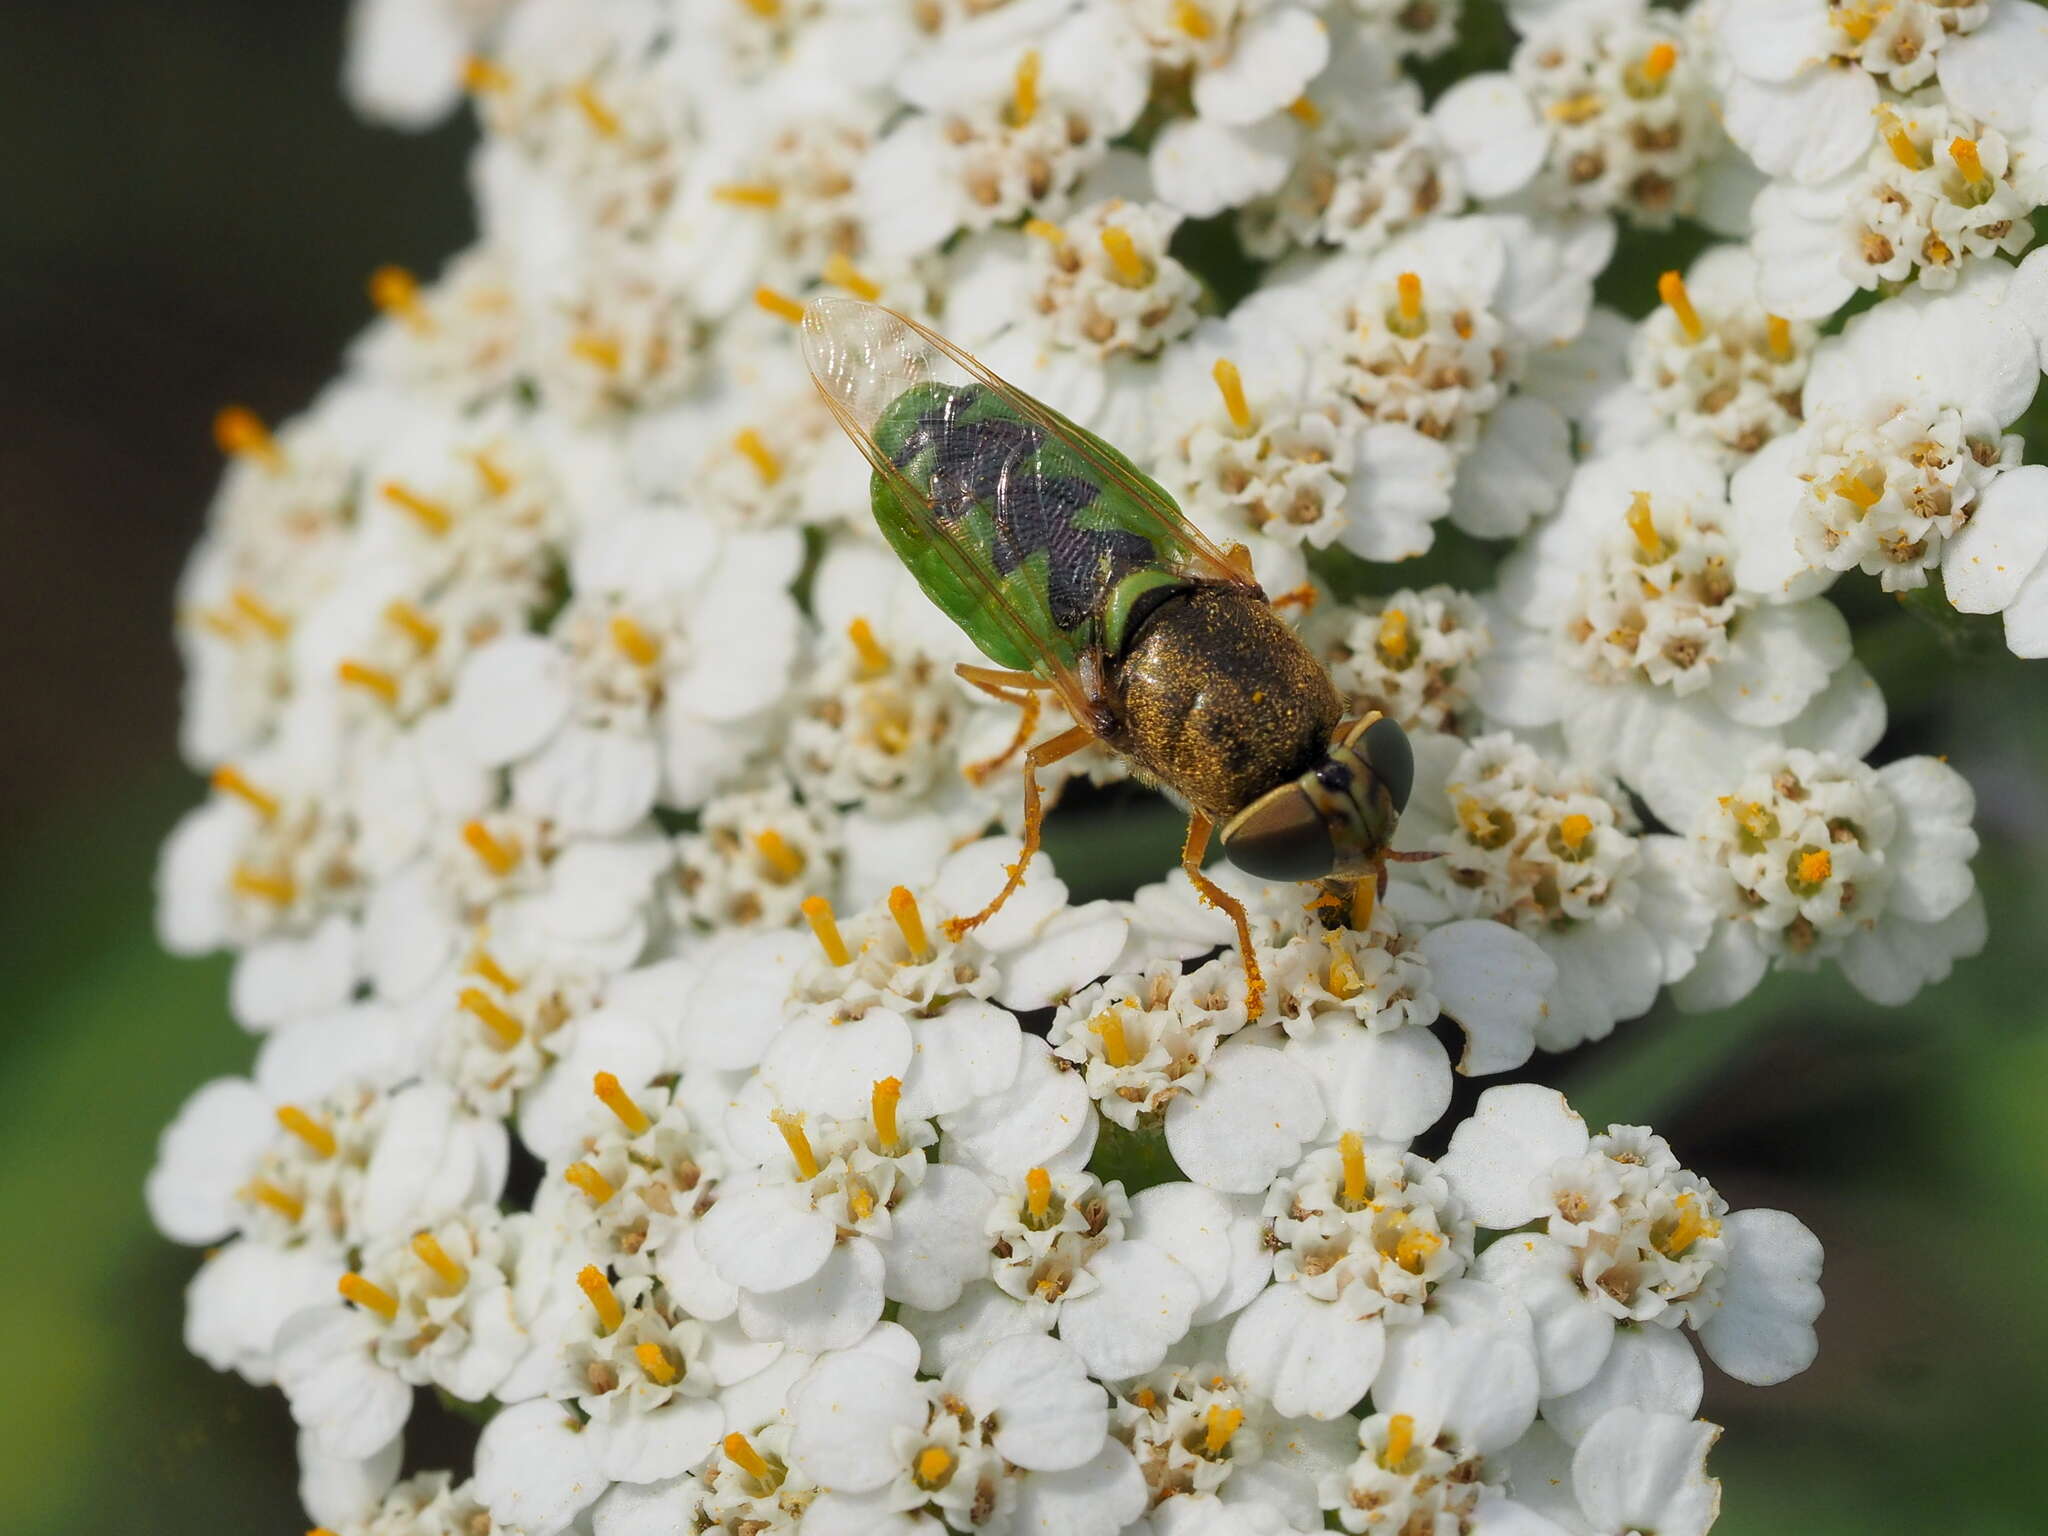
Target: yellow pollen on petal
(1192,19)
(507,1030)
(1132,270)
(655,1362)
(748,443)
(1778,337)
(260,613)
(1038,1193)
(842,273)
(874,660)
(495,480)
(1659,62)
(1964,153)
(638,646)
(425,633)
(1393,634)
(1649,542)
(590,1181)
(1415,1247)
(792,1128)
(1400,1441)
(1364,897)
(1345,982)
(749,194)
(482,964)
(599,350)
(603,1300)
(282,1201)
(1222,1423)
(613,1096)
(397,292)
(368,1295)
(767,10)
(280,890)
(1145,1398)
(882,1101)
(230,781)
(1815,867)
(500,855)
(1351,1153)
(1574,830)
(370,679)
(1302,110)
(428,1249)
(1408,291)
(1687,1230)
(934,1466)
(595,112)
(783,861)
(1857,21)
(1046,230)
(1900,142)
(481,76)
(910,923)
(1852,487)
(780,305)
(860,1200)
(819,912)
(1116,1046)
(239,433)
(739,1450)
(1230,383)
(430,515)
(1671,289)
(1024,92)
(307,1129)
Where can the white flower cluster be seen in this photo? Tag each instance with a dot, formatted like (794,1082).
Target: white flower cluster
(594,794)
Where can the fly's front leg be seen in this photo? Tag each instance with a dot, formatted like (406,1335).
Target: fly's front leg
(1191,860)
(1019,688)
(1044,755)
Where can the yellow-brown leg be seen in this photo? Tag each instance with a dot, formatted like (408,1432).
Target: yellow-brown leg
(1044,755)
(1302,597)
(1019,688)
(1191,860)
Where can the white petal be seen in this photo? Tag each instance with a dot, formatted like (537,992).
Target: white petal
(345,1490)
(1035,1122)
(536,1468)
(1049,1415)
(1141,1309)
(1255,1111)
(1647,1472)
(1728,970)
(668,1441)
(1762,1330)
(292,976)
(1391,1086)
(937,1243)
(970,1049)
(1779,659)
(432,1158)
(241,1297)
(2026,617)
(204,1156)
(1573,1336)
(832,1308)
(1100,1497)
(1202,166)
(352,1405)
(1891,963)
(512,696)
(846,1412)
(765,1239)
(1479,1382)
(1490,981)
(594,782)
(1994,74)
(1810,128)
(1983,566)
(1930,852)
(1276,55)
(1311,1358)
(1605,972)
(1654,1369)
(830,1066)
(1065,955)
(1512,1138)
(1190,1225)
(1491,126)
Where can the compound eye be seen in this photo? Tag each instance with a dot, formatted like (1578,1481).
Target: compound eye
(1280,836)
(1387,749)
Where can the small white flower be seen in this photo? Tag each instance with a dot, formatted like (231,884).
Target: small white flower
(405,57)
(1410,655)
(756,855)
(1633,1471)
(1142,1040)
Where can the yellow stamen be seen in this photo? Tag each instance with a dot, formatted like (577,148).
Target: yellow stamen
(1409,288)
(1574,830)
(480,75)
(842,273)
(603,1300)
(615,1098)
(860,1200)
(741,1453)
(495,480)
(783,860)
(1964,153)
(1116,1046)
(1145,1398)
(1192,19)
(425,633)
(435,1257)
(910,922)
(280,890)
(598,349)
(229,781)
(767,10)
(1640,523)
(1778,337)
(370,1297)
(590,1181)
(1132,270)
(1351,1152)
(1689,1229)
(599,116)
(749,443)
(934,1466)
(239,432)
(1345,982)
(1671,289)
(508,1030)
(1038,1193)
(1415,1247)
(482,964)
(431,515)
(819,911)
(370,679)
(655,1362)
(1475,818)
(874,660)
(1024,98)
(792,1128)
(1900,142)
(397,292)
(1852,487)
(1305,111)
(282,1201)
(1815,867)
(260,613)
(1364,897)
(499,854)
(1393,635)
(749,194)
(1856,21)
(307,1129)
(1222,1424)
(1573,110)
(1231,383)
(780,305)
(638,646)
(1400,1441)
(882,1102)
(1658,63)
(1046,230)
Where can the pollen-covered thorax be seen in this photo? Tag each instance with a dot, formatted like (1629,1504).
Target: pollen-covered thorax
(1143,1040)
(1725,374)
(1103,283)
(1420,354)
(1656,597)
(1369,1227)
(1645,1232)
(1411,656)
(1401,1484)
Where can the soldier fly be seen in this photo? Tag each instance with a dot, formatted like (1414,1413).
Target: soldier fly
(1077,575)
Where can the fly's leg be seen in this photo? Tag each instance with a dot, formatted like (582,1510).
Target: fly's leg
(1044,755)
(1302,597)
(1191,860)
(1410,858)
(1019,688)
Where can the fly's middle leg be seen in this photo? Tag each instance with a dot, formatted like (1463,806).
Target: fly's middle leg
(1022,689)
(1044,755)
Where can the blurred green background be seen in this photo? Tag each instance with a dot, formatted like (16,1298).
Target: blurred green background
(186,217)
